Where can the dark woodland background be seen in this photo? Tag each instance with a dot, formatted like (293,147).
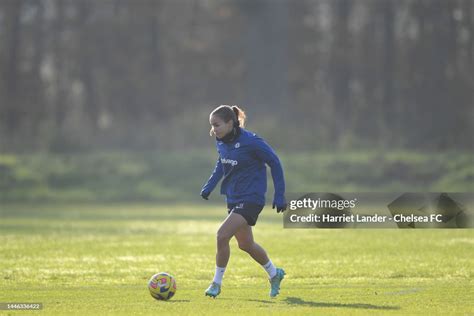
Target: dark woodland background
(109,100)
(81,75)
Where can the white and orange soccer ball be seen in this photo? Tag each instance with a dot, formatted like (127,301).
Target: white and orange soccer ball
(162,286)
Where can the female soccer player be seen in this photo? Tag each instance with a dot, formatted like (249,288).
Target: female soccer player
(241,162)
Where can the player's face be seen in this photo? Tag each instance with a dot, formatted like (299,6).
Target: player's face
(219,127)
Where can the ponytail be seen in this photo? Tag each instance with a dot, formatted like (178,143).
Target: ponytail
(239,115)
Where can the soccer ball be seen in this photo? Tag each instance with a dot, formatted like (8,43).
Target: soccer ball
(162,286)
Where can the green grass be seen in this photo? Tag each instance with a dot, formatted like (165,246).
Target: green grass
(96,259)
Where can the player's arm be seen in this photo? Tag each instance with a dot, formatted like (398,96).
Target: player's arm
(266,154)
(213,180)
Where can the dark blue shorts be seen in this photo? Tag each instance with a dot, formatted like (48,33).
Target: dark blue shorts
(249,211)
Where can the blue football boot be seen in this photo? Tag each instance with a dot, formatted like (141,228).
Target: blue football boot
(275,282)
(213,290)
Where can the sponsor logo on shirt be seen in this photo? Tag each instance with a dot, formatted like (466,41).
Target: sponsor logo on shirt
(229,161)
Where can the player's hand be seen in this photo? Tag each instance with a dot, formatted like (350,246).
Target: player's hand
(279,202)
(280,207)
(205,195)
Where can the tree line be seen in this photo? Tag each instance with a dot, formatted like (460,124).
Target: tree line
(82,75)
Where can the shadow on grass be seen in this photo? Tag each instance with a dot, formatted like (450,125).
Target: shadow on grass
(299,301)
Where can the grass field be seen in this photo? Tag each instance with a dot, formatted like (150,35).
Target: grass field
(96,259)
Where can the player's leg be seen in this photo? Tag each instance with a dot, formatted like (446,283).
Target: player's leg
(246,242)
(228,228)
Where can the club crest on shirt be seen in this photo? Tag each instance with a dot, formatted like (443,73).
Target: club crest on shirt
(237,145)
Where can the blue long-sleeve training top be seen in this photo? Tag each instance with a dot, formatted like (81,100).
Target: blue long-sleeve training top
(241,163)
